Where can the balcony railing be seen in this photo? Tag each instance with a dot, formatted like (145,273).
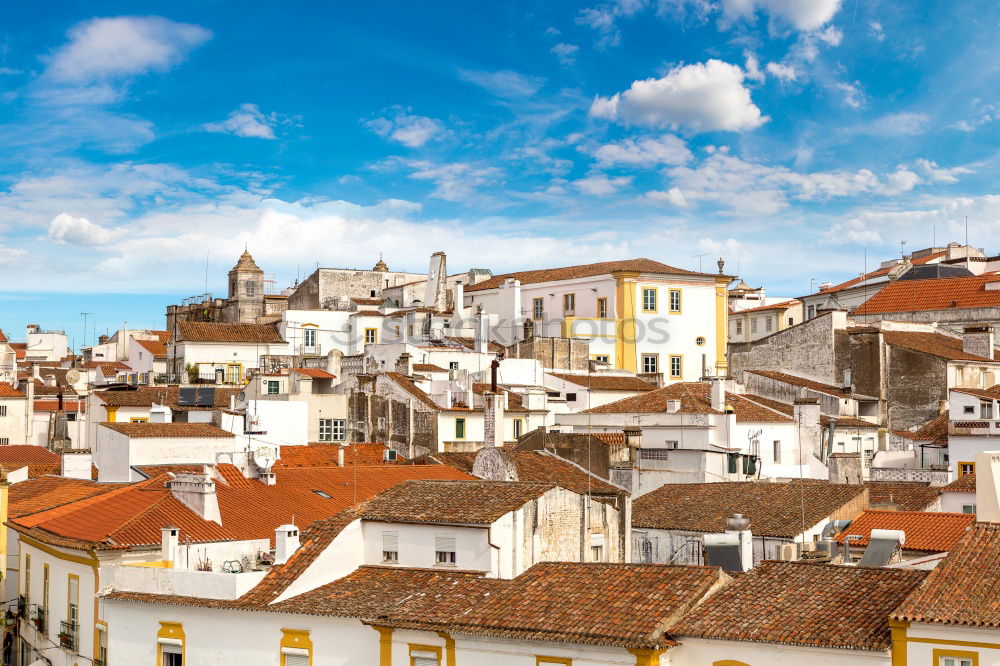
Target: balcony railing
(69,635)
(40,620)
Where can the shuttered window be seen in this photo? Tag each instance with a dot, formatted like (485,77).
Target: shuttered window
(444,549)
(424,658)
(390,547)
(296,660)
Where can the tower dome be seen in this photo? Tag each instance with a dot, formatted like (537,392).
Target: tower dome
(381,266)
(246,263)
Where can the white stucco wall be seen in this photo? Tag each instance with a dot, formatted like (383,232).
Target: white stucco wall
(703,652)
(416,545)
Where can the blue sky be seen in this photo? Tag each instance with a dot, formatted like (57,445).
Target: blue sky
(788,136)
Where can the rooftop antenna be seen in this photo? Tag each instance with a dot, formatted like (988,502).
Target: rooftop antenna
(703,254)
(934,237)
(207,252)
(85,315)
(967,242)
(902,249)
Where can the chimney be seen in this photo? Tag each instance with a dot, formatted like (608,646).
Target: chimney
(718,392)
(286,542)
(334,360)
(988,487)
(404,364)
(340,456)
(458,298)
(633,437)
(482,335)
(197,492)
(160,414)
(979,340)
(169,537)
(75,463)
(436,294)
(267,477)
(493,419)
(50,381)
(36,372)
(809,429)
(733,550)
(740,526)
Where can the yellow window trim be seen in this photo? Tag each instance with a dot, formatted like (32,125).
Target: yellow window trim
(940,653)
(295,638)
(597,308)
(656,299)
(112,413)
(374,332)
(138,419)
(173,631)
(680,373)
(539,659)
(416,647)
(69,601)
(46,584)
(680,301)
(966,462)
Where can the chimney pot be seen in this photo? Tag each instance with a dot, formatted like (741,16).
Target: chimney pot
(286,542)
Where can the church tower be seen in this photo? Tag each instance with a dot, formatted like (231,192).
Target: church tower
(246,291)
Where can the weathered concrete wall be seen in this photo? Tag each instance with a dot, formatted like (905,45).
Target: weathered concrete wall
(788,393)
(328,284)
(586,451)
(808,350)
(379,411)
(949,320)
(916,384)
(554,353)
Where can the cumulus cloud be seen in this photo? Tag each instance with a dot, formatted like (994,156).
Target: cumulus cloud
(66,229)
(699,97)
(800,14)
(505,83)
(566,53)
(603,18)
(783,72)
(937,174)
(852,94)
(123,46)
(457,181)
(753,71)
(673,197)
(852,232)
(601,185)
(246,121)
(644,151)
(876,30)
(408,129)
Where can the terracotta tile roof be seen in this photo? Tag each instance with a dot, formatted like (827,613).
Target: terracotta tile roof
(157,348)
(934,431)
(879,272)
(428,367)
(369,313)
(515,401)
(468,502)
(162,336)
(610,437)
(537,467)
(383,594)
(626,605)
(928,531)
(774,509)
(8,391)
(196,331)
(3,336)
(935,344)
(26,454)
(41,388)
(407,385)
(606,382)
(470,343)
(784,305)
(322,454)
(53,405)
(315,373)
(803,382)
(963,484)
(105,365)
(789,410)
(992,393)
(812,605)
(585,270)
(934,294)
(695,399)
(172,430)
(964,589)
(20,350)
(47,492)
(903,495)
(146,396)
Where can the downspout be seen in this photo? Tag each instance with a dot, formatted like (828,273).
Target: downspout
(496,548)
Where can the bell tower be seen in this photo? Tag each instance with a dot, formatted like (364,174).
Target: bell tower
(246,291)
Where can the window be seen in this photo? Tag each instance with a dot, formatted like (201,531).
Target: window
(700,341)
(986,409)
(138,419)
(791,321)
(294,659)
(675,300)
(768,321)
(966,468)
(444,549)
(102,643)
(4,441)
(947,657)
(602,308)
(170,644)
(676,367)
(45,587)
(811,312)
(777,450)
(371,336)
(650,363)
(602,358)
(518,424)
(309,337)
(596,553)
(459,428)
(73,612)
(753,326)
(3,410)
(453,365)
(326,430)
(233,373)
(569,303)
(251,288)
(649,299)
(571,397)
(537,308)
(339,431)
(272,386)
(968,508)
(739,328)
(390,547)
(371,293)
(171,654)
(425,655)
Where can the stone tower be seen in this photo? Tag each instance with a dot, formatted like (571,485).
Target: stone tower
(246,292)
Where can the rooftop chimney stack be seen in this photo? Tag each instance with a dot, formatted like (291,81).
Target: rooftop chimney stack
(286,542)
(340,456)
(436,294)
(197,492)
(740,527)
(169,538)
(482,334)
(718,393)
(979,340)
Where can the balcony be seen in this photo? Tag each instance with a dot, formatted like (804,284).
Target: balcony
(40,621)
(69,638)
(311,350)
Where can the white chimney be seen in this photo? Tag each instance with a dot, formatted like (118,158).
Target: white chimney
(740,527)
(36,372)
(482,335)
(988,487)
(286,542)
(718,392)
(197,492)
(75,464)
(340,456)
(169,537)
(160,414)
(493,419)
(50,380)
(458,298)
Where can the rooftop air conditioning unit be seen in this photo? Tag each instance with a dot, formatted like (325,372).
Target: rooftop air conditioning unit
(788,552)
(389,455)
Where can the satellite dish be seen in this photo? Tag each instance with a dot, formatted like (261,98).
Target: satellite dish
(72,376)
(264,456)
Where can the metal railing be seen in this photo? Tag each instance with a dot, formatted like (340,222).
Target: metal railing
(69,635)
(40,620)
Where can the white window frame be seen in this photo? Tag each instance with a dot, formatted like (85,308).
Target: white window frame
(326,430)
(650,361)
(338,430)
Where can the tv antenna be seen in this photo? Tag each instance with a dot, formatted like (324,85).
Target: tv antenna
(703,254)
(85,315)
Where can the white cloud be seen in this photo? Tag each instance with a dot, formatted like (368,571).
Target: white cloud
(853,96)
(566,53)
(852,232)
(936,174)
(876,30)
(66,229)
(504,83)
(457,181)
(904,123)
(753,70)
(246,121)
(123,46)
(700,97)
(785,73)
(603,18)
(830,35)
(800,14)
(673,196)
(601,185)
(644,151)
(406,128)
(901,180)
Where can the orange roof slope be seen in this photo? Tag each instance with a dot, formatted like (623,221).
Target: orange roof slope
(146,396)
(8,391)
(537,467)
(473,502)
(812,605)
(581,271)
(157,348)
(148,430)
(904,495)
(47,492)
(695,399)
(964,589)
(928,531)
(820,387)
(197,331)
(937,294)
(878,272)
(606,382)
(322,454)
